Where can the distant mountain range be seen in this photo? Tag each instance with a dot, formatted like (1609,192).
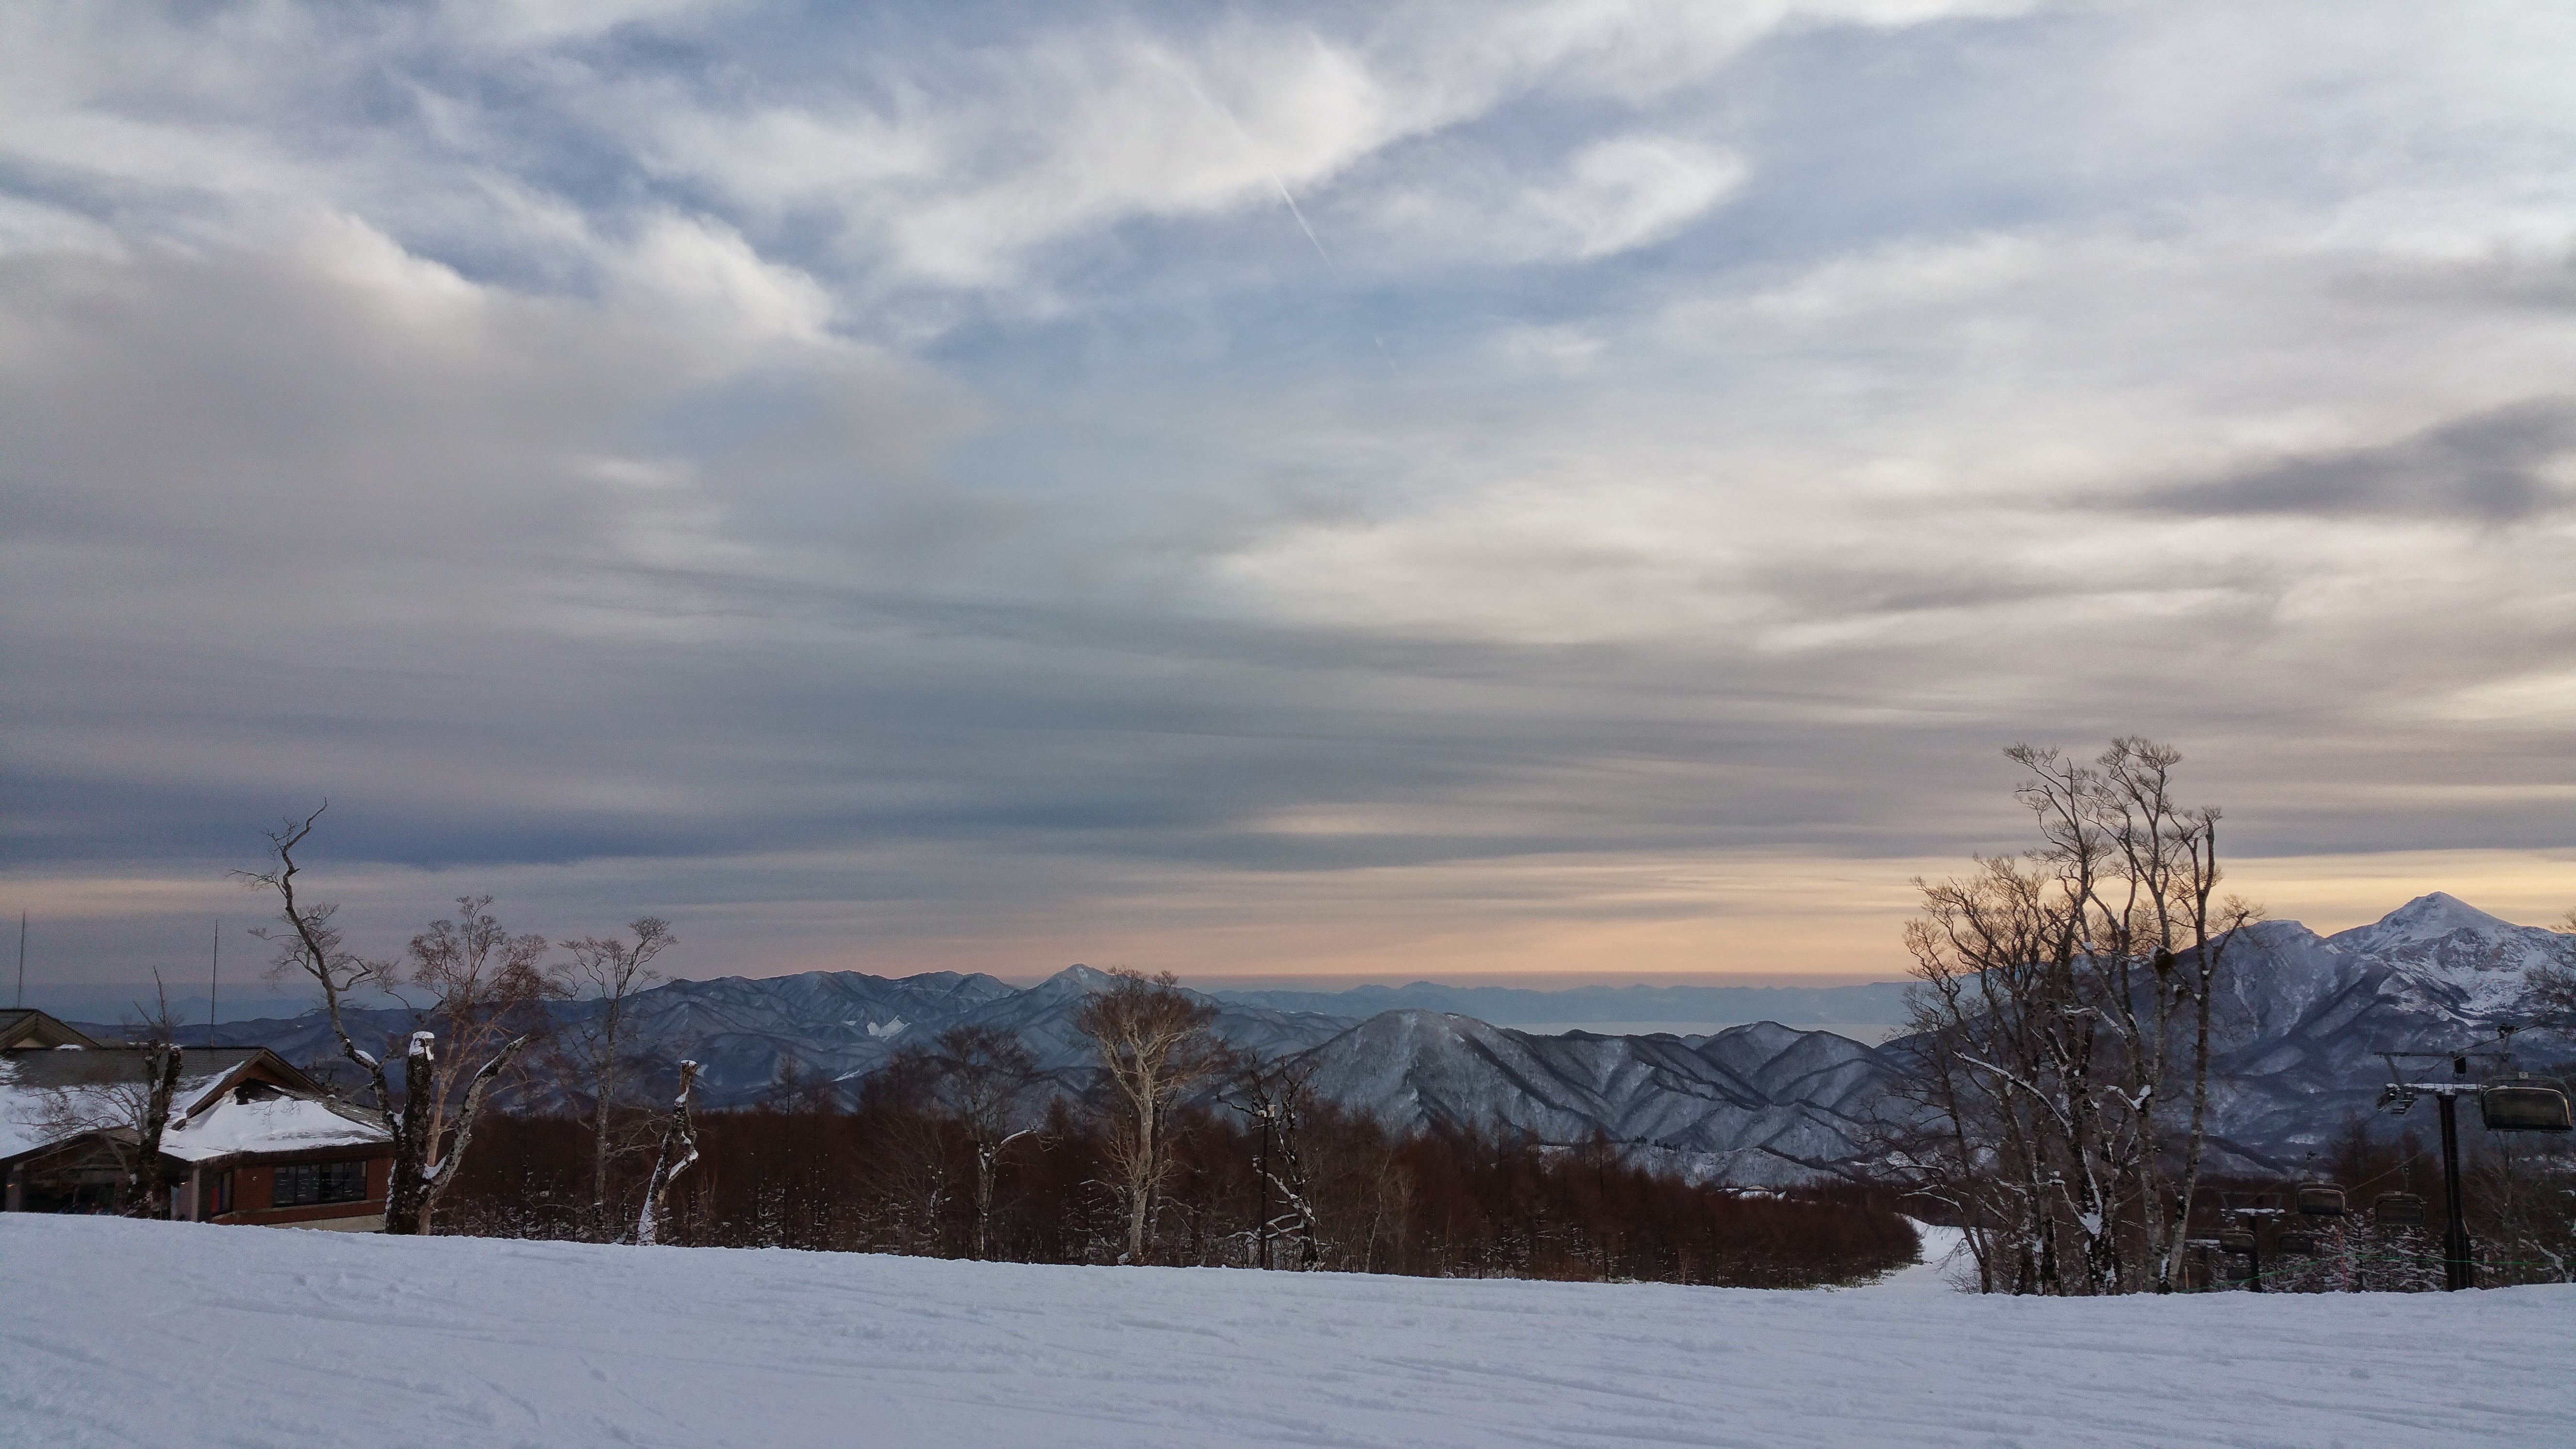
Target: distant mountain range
(1761,1103)
(750,1034)
(1880,1002)
(2309,1013)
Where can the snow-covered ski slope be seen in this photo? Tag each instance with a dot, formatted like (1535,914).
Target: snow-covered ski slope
(121,1333)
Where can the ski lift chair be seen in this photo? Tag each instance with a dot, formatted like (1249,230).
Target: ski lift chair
(2398,1210)
(2524,1104)
(2297,1245)
(2237,1243)
(2321,1200)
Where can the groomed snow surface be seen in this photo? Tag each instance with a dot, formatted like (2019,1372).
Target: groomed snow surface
(172,1334)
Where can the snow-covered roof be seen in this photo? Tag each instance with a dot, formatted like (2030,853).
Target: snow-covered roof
(227,1125)
(53,1096)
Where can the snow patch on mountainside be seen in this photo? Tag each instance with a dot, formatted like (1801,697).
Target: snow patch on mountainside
(1754,1105)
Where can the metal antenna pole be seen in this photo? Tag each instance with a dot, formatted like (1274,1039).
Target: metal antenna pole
(2458,1271)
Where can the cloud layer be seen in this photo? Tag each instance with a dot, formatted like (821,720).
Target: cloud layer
(1557,486)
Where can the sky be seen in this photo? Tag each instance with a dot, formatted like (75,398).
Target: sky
(1547,491)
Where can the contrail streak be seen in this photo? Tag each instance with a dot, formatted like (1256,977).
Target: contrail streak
(1299,213)
(1329,264)
(1288,198)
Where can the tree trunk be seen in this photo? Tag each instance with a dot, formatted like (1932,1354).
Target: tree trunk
(679,1153)
(984,1154)
(2196,1140)
(604,1086)
(407,1195)
(438,1176)
(151,1185)
(1140,1179)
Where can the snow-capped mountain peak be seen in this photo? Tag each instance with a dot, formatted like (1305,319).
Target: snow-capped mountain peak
(2451,947)
(2425,918)
(1074,980)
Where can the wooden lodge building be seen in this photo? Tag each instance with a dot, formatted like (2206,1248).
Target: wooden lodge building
(250,1139)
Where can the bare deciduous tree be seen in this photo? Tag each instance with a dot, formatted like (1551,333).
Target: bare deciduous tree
(916,1153)
(608,970)
(308,944)
(983,1074)
(1275,1096)
(2065,1025)
(485,986)
(148,1179)
(125,1113)
(1155,1045)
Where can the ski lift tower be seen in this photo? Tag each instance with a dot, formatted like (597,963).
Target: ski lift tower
(2243,1239)
(2516,1104)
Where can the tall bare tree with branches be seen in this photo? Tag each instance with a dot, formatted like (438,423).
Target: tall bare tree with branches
(1155,1045)
(2065,1026)
(983,1074)
(310,945)
(124,1113)
(149,1179)
(1275,1096)
(607,970)
(487,989)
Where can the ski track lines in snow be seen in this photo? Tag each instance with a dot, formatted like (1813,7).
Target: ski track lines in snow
(160,1334)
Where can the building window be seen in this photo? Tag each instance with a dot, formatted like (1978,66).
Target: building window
(220,1198)
(302,1184)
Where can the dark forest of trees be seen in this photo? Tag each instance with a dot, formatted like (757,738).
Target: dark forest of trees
(896,1174)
